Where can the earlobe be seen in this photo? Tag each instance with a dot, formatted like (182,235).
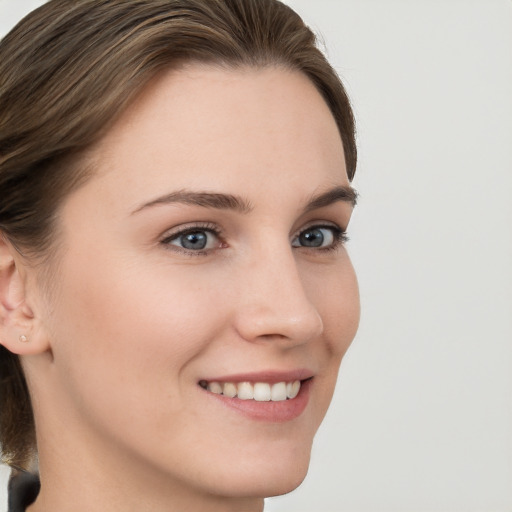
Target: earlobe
(18,324)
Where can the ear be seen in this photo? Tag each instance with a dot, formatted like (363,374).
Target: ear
(20,331)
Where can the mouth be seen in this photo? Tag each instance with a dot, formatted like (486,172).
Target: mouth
(257,391)
(273,397)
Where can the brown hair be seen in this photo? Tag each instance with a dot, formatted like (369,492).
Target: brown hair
(70,67)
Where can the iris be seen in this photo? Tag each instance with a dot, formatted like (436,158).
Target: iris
(311,238)
(194,240)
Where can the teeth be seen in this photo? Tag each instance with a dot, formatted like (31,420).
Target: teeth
(292,389)
(259,391)
(245,391)
(278,392)
(262,392)
(215,387)
(229,389)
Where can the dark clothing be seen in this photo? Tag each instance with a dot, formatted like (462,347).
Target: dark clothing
(23,490)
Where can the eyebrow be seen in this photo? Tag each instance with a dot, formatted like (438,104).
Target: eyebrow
(221,201)
(344,193)
(203,199)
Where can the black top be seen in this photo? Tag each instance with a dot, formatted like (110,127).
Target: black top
(23,490)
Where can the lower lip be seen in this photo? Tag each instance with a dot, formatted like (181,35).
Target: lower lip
(271,412)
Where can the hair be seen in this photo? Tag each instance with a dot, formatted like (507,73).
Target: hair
(70,68)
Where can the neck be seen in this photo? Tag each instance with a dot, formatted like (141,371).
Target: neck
(78,474)
(80,492)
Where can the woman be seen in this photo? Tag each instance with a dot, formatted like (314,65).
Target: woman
(175,294)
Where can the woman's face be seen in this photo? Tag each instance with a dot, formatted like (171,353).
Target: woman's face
(206,251)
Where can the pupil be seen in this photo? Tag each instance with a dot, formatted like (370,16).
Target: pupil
(312,238)
(194,240)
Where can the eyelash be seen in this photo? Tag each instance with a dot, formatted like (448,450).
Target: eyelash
(339,238)
(202,226)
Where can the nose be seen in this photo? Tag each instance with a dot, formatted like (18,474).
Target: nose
(273,304)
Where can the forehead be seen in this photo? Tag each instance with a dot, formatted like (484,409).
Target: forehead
(210,127)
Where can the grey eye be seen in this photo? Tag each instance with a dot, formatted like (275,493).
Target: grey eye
(315,237)
(197,240)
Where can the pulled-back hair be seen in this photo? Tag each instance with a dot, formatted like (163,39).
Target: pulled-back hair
(71,67)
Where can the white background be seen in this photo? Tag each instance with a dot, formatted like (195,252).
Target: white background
(422,417)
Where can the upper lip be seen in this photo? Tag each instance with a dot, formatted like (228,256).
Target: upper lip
(269,376)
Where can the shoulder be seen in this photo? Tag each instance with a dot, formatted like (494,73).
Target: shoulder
(23,490)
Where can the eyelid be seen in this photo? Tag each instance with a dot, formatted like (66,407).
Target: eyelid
(325,224)
(318,224)
(182,230)
(339,233)
(188,227)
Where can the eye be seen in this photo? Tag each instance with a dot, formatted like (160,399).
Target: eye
(319,237)
(194,239)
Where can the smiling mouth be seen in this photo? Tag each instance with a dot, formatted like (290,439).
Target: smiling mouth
(257,391)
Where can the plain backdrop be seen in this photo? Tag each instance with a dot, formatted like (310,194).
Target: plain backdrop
(422,416)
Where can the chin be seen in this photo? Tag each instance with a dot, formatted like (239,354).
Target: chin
(271,475)
(284,485)
(267,485)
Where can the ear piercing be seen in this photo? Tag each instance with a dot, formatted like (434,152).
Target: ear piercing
(23,338)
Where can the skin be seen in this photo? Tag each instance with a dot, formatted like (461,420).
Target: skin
(114,359)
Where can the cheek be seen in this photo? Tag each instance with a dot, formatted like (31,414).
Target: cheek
(346,309)
(130,324)
(335,293)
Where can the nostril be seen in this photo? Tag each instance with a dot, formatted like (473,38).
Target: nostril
(273,337)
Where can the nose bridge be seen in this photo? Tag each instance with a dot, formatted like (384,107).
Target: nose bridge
(276,304)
